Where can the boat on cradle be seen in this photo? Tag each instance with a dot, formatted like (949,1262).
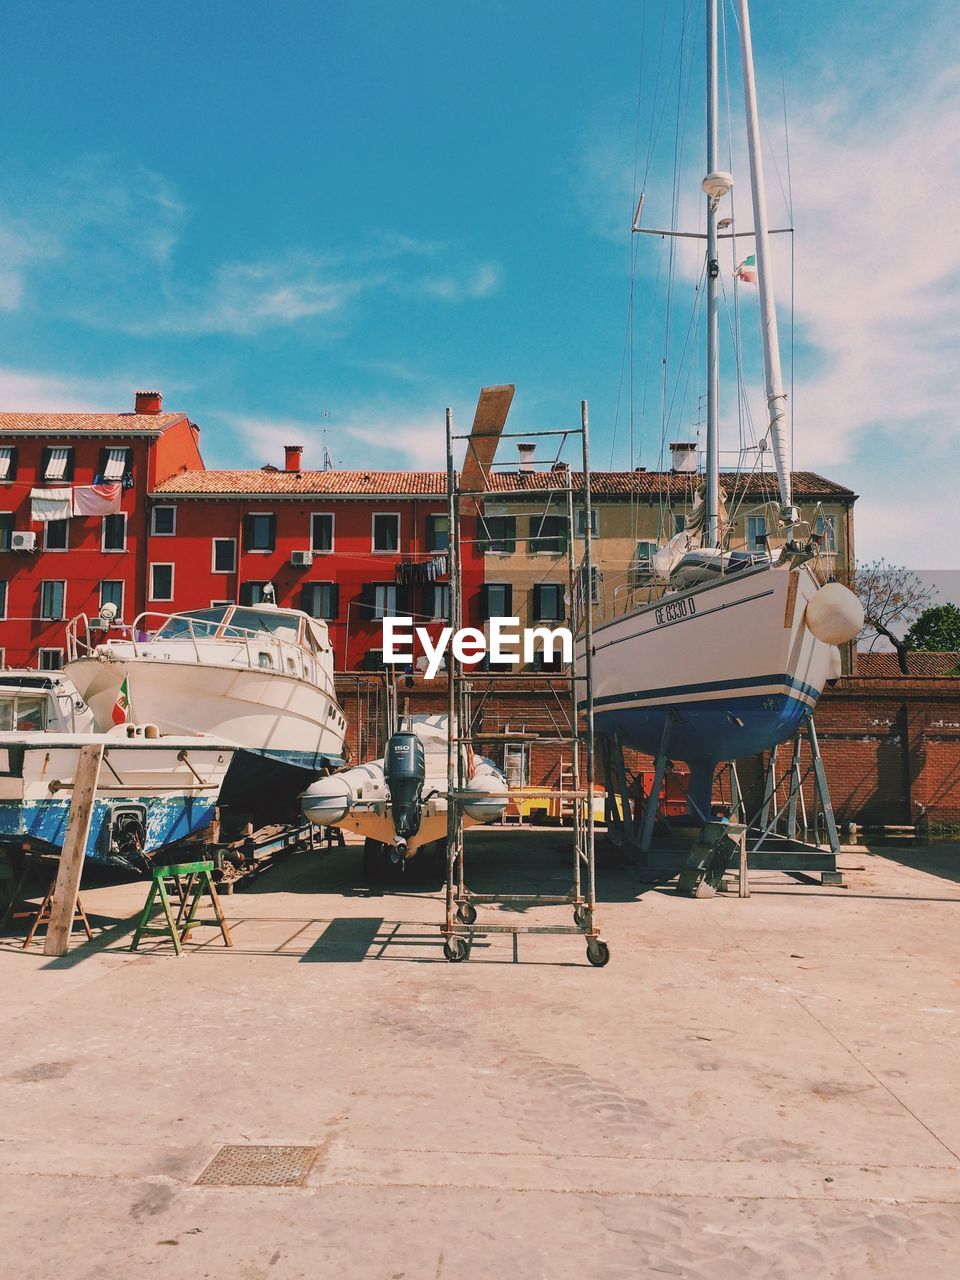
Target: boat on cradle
(259,677)
(152,790)
(725,653)
(399,802)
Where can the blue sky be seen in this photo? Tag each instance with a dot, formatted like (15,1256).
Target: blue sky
(369,210)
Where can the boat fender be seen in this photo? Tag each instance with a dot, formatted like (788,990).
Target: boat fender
(492,795)
(834,614)
(835,670)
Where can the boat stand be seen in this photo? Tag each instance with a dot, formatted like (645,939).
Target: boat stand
(466,493)
(782,835)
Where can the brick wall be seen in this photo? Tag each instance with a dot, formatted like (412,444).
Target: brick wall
(891,747)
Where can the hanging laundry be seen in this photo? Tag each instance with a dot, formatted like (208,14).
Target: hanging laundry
(50,504)
(97,499)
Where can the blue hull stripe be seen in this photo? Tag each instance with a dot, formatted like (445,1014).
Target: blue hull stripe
(709,686)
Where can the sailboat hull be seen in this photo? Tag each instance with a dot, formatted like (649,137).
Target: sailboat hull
(730,669)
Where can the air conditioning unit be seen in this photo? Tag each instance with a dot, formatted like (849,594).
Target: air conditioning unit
(23,540)
(301,559)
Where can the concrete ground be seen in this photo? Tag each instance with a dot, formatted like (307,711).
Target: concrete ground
(751,1088)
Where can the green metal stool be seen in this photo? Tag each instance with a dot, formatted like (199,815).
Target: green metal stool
(198,882)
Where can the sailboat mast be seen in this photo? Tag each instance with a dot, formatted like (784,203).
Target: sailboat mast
(712,529)
(776,396)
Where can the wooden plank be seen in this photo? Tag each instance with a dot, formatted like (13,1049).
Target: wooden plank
(488,422)
(67,885)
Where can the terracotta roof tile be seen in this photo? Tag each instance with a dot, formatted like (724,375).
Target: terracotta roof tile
(88,423)
(434,483)
(919,662)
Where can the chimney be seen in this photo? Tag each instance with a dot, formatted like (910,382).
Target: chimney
(683,457)
(526,452)
(292,453)
(147,402)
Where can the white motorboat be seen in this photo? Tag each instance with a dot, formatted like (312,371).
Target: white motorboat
(260,677)
(727,653)
(152,790)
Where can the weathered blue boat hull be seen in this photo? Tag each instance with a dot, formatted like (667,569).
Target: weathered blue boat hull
(168,820)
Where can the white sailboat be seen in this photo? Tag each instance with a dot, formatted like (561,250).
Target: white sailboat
(732,656)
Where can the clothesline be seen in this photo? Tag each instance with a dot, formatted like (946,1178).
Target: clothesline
(422,571)
(74,500)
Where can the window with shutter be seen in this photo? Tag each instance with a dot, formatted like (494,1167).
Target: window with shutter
(259,531)
(8,463)
(547,535)
(496,600)
(115,464)
(57,466)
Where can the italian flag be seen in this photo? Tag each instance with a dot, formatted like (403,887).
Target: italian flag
(121,708)
(747,270)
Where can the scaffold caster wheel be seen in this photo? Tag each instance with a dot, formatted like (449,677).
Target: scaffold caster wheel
(467,913)
(598,953)
(455,949)
(580,917)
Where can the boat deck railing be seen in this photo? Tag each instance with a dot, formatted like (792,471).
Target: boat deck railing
(262,650)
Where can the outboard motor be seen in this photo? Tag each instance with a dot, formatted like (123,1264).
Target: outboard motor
(404,769)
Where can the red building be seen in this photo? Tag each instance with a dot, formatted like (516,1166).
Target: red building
(347,546)
(71,565)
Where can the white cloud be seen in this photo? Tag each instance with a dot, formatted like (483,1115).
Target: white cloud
(101,242)
(22,391)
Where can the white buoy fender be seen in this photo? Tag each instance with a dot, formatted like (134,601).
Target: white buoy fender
(834,614)
(492,795)
(835,669)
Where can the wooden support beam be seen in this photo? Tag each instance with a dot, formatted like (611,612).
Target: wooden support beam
(67,885)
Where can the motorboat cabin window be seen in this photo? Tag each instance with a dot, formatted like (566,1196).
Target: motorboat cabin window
(114,464)
(8,462)
(163,522)
(198,623)
(56,535)
(113,535)
(321,532)
(438,533)
(224,555)
(286,626)
(386,531)
(265,660)
(756,533)
(58,463)
(24,713)
(53,599)
(161,582)
(259,531)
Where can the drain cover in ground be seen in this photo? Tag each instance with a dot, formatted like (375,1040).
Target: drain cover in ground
(246,1166)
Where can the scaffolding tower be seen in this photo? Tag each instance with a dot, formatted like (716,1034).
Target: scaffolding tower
(466,492)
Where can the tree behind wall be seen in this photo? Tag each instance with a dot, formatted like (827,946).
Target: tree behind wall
(893,599)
